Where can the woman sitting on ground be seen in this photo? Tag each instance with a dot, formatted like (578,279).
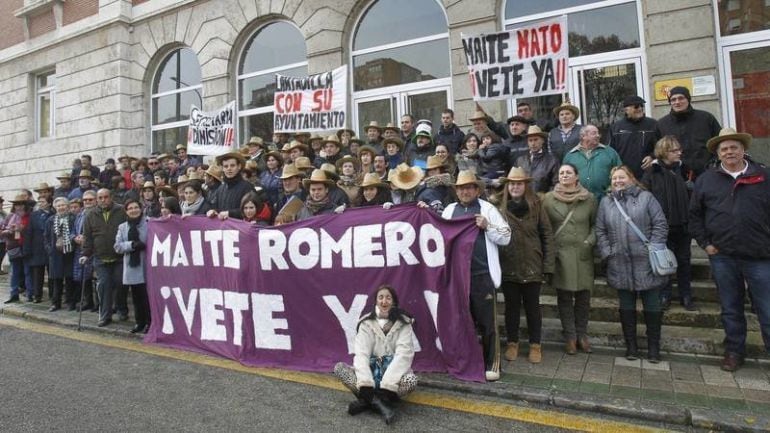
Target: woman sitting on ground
(381,371)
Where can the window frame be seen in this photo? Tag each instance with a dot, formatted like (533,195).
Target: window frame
(198,88)
(240,114)
(41,91)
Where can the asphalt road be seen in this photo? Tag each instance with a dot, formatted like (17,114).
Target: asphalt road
(51,383)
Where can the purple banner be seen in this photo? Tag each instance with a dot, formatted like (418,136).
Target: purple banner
(291,296)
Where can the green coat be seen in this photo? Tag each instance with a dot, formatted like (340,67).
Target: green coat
(594,172)
(574,269)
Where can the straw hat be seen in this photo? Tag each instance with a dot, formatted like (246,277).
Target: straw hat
(148,185)
(275,154)
(344,159)
(255,141)
(297,145)
(478,115)
(566,105)
(535,130)
(729,134)
(517,174)
(124,157)
(317,136)
(289,171)
(245,151)
(22,199)
(391,127)
(163,156)
(405,177)
(333,139)
(435,162)
(180,181)
(303,163)
(396,141)
(367,148)
(318,176)
(180,147)
(373,124)
(373,179)
(43,186)
(301,134)
(330,170)
(64,175)
(166,190)
(467,177)
(286,148)
(194,176)
(231,155)
(85,173)
(215,171)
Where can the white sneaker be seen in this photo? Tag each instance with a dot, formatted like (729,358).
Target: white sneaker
(492,376)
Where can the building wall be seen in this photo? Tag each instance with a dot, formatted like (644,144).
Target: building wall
(105,61)
(11,28)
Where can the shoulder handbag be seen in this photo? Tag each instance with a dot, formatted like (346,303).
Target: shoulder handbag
(662,259)
(564,223)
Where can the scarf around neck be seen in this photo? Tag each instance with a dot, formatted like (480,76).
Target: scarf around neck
(190,209)
(570,195)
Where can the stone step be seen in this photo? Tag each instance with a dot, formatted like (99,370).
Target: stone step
(674,339)
(606,310)
(702,290)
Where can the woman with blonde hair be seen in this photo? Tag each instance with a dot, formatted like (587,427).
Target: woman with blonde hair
(626,210)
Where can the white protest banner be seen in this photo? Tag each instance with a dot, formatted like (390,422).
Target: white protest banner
(527,61)
(314,103)
(211,133)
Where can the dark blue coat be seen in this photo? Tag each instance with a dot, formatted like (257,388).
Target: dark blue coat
(34,239)
(59,264)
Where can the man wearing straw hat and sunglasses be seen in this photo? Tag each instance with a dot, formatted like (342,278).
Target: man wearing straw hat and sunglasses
(485,264)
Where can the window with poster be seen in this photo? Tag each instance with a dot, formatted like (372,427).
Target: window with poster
(276,48)
(744,42)
(606,60)
(401,72)
(175,88)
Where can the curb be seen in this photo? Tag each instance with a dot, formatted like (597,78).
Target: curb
(648,411)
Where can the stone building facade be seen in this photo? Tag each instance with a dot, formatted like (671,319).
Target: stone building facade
(88,76)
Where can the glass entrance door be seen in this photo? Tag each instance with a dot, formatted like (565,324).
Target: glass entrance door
(385,108)
(749,109)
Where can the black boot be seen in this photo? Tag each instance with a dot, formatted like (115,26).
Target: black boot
(653,322)
(628,323)
(384,401)
(363,402)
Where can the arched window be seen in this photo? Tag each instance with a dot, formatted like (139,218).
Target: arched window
(606,57)
(401,62)
(175,88)
(277,48)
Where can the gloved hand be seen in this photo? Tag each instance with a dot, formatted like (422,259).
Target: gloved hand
(138,245)
(387,205)
(366,393)
(340,209)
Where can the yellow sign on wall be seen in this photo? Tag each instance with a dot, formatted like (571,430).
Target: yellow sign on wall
(663,87)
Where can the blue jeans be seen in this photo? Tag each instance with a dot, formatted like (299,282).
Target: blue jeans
(20,270)
(731,274)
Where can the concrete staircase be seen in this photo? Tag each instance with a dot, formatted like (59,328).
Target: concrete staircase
(694,332)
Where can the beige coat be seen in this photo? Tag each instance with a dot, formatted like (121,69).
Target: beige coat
(371,341)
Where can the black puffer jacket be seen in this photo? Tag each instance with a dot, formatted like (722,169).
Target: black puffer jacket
(634,139)
(693,128)
(733,214)
(668,185)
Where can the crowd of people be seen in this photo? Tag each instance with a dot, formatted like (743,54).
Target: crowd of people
(546,200)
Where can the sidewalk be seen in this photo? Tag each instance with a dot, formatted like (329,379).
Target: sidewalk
(683,389)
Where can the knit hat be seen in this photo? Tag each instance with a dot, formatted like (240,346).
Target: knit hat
(680,90)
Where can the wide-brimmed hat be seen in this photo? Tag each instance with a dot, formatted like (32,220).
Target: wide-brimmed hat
(367,148)
(405,177)
(148,185)
(396,141)
(392,127)
(434,162)
(215,171)
(123,157)
(373,179)
(318,176)
(373,124)
(294,144)
(333,139)
(340,132)
(517,174)
(286,148)
(43,186)
(180,181)
(566,105)
(64,175)
(275,154)
(245,151)
(86,173)
(302,134)
(255,141)
(535,130)
(167,190)
(331,171)
(318,136)
(163,156)
(290,170)
(344,159)
(467,177)
(303,163)
(22,199)
(729,134)
(180,147)
(478,115)
(231,155)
